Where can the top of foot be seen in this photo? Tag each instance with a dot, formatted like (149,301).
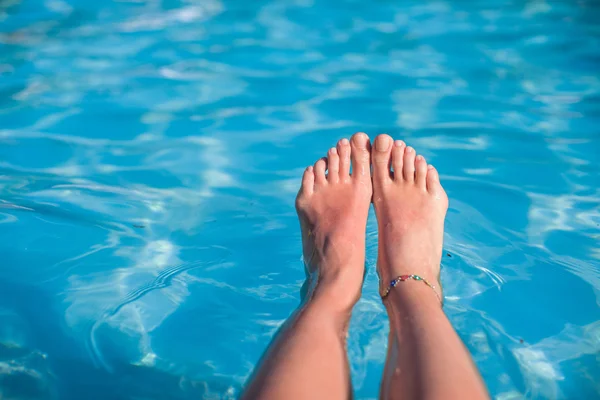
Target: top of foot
(333,206)
(410,205)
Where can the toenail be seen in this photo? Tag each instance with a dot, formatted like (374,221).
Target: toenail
(409,149)
(419,158)
(382,143)
(333,151)
(345,141)
(360,140)
(309,169)
(430,167)
(398,143)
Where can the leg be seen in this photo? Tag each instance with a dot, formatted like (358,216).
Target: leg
(426,358)
(307,360)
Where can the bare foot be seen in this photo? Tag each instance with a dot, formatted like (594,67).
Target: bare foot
(410,205)
(333,210)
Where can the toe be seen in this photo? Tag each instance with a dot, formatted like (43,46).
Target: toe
(308,182)
(421,171)
(343,149)
(319,168)
(381,158)
(408,169)
(433,180)
(397,157)
(361,156)
(333,165)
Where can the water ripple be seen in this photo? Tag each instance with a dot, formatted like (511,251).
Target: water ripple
(150,152)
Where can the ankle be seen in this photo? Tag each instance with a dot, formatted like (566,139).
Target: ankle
(390,267)
(335,293)
(412,298)
(431,275)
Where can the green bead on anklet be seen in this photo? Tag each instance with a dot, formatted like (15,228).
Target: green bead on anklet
(403,278)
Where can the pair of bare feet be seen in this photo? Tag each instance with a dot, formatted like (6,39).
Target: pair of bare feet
(425,359)
(333,205)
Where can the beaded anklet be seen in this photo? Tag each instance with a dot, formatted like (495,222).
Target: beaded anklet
(403,278)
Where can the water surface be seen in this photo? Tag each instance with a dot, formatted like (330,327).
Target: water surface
(150,152)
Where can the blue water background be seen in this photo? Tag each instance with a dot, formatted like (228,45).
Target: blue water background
(150,152)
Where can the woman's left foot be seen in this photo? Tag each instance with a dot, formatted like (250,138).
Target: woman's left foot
(333,208)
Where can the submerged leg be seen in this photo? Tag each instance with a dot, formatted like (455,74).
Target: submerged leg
(307,359)
(426,358)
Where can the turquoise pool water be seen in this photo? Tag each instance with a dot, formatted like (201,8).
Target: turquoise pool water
(150,151)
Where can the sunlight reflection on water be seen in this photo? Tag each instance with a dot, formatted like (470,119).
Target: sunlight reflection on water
(150,152)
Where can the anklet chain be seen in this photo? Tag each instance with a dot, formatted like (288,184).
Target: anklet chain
(403,278)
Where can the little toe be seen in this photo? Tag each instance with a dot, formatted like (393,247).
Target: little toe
(397,159)
(421,172)
(433,180)
(343,149)
(408,169)
(361,157)
(381,158)
(333,165)
(308,182)
(319,170)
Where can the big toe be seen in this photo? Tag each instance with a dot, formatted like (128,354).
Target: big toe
(361,156)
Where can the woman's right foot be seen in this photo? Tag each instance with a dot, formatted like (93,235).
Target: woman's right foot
(410,205)
(333,208)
